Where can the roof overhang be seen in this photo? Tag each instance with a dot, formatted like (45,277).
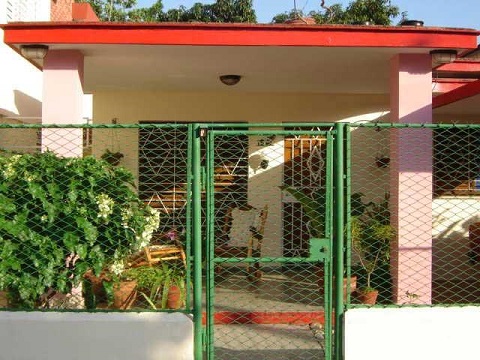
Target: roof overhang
(239,35)
(271,58)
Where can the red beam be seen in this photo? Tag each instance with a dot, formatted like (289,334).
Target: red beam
(461,66)
(443,86)
(238,35)
(461,93)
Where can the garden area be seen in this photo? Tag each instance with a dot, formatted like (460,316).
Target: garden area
(74,234)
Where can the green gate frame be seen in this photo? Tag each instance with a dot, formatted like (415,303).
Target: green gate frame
(321,250)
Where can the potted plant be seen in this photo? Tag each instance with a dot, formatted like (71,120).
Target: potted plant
(113,158)
(161,287)
(371,236)
(63,217)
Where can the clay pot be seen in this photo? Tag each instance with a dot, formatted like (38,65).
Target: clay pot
(353,283)
(174,299)
(368,297)
(124,294)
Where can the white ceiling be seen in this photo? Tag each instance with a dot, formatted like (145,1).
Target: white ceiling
(263,69)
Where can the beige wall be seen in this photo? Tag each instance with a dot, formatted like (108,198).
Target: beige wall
(132,107)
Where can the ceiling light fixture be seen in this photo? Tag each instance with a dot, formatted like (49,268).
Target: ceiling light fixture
(34,52)
(443,56)
(230,80)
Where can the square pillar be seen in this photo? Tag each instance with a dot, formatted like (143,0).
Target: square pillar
(63,101)
(411,178)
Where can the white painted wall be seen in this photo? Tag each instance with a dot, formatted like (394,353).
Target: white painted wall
(105,336)
(21,82)
(412,333)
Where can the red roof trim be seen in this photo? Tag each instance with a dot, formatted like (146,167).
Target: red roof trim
(461,93)
(239,35)
(461,66)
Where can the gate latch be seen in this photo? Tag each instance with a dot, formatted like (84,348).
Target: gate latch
(319,249)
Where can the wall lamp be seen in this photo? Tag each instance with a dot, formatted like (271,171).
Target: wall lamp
(444,56)
(230,80)
(33,52)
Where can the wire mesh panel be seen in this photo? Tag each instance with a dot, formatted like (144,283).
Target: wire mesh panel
(267,298)
(414,213)
(75,231)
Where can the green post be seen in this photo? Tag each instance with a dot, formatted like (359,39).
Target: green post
(339,238)
(197,241)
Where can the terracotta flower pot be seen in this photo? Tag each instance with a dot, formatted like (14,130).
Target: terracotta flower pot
(368,297)
(174,299)
(124,294)
(353,283)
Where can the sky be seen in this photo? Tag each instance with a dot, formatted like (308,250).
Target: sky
(444,13)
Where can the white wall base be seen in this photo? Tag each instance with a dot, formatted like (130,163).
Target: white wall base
(103,336)
(412,333)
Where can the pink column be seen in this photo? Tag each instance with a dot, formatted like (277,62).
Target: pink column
(63,101)
(411,178)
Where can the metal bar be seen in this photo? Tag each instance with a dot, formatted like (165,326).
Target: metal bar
(268,260)
(269,132)
(259,125)
(188,233)
(339,238)
(210,280)
(348,225)
(197,242)
(263,125)
(328,261)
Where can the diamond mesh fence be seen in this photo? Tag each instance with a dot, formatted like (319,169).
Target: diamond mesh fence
(414,214)
(87,221)
(99,218)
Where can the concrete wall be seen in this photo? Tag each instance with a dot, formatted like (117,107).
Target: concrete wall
(106,336)
(412,333)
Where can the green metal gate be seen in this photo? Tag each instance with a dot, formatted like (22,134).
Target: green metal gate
(263,301)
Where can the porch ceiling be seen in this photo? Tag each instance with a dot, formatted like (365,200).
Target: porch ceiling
(263,69)
(271,58)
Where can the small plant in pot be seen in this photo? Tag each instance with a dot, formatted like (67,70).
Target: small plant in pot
(161,287)
(371,236)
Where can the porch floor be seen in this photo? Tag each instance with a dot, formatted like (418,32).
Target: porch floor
(279,317)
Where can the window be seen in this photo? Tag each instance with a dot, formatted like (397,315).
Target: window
(456,162)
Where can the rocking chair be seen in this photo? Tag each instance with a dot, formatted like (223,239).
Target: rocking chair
(159,251)
(243,236)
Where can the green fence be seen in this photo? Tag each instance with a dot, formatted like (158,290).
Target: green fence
(153,209)
(414,212)
(87,221)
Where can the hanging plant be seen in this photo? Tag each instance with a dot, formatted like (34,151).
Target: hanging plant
(113,158)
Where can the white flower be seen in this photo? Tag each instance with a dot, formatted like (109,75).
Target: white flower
(117,267)
(105,206)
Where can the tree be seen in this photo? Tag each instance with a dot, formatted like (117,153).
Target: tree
(224,11)
(378,12)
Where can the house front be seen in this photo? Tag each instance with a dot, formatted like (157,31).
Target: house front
(313,108)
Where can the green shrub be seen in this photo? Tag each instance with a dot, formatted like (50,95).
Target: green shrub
(60,217)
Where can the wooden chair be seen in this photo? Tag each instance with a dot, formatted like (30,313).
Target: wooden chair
(242,236)
(160,250)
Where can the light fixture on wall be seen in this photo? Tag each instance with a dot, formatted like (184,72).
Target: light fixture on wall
(34,52)
(443,56)
(230,80)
